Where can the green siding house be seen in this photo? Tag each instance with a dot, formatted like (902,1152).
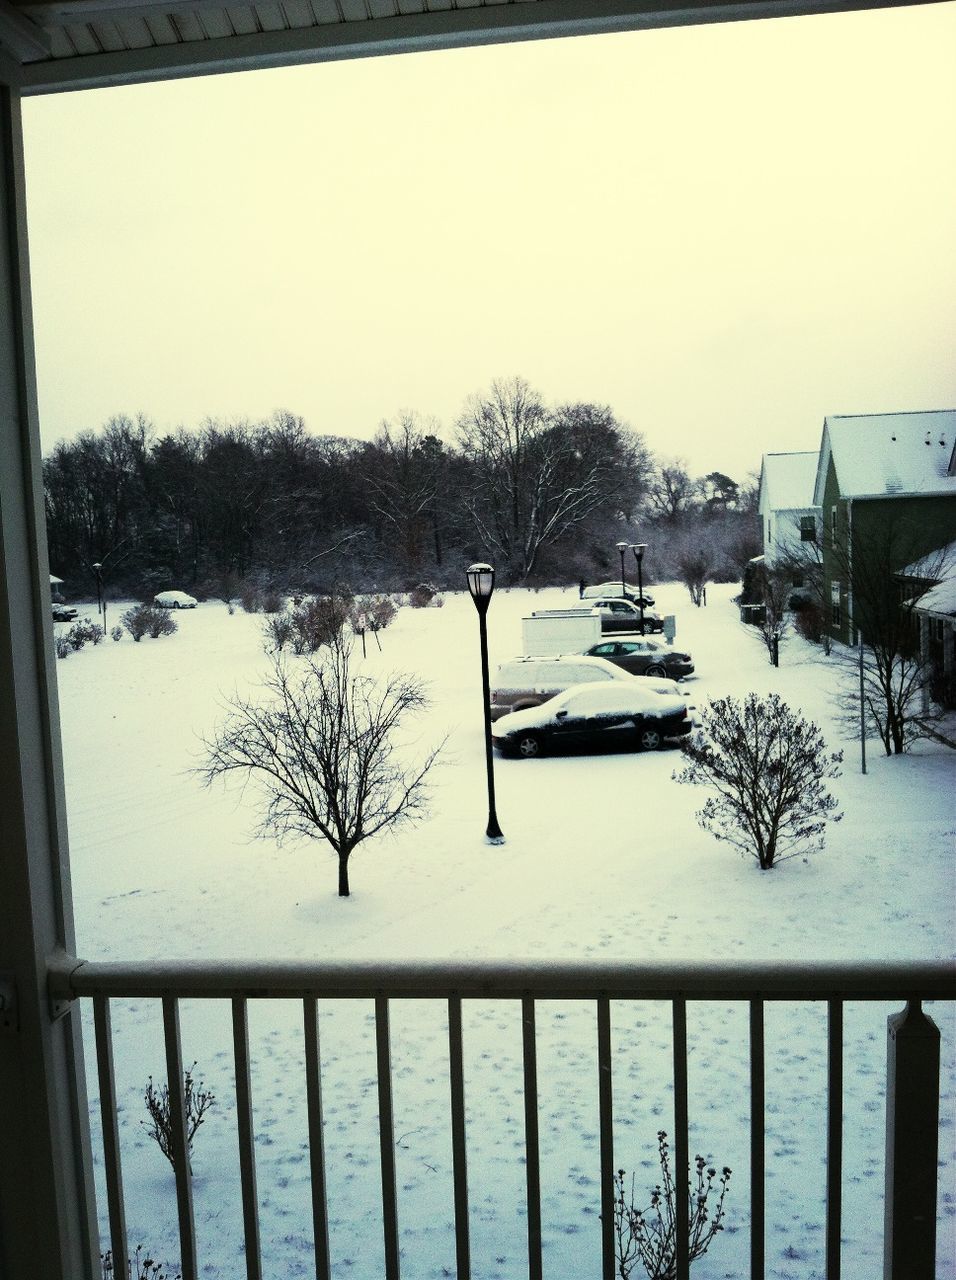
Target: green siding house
(886,489)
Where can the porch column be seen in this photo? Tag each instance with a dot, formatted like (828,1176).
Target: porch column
(47,1220)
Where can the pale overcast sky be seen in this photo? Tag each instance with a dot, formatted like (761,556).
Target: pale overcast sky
(723,232)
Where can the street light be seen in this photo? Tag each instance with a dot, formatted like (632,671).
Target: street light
(98,570)
(481,583)
(622,547)
(639,548)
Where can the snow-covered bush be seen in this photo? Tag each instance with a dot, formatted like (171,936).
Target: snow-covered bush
(147,620)
(62,647)
(379,612)
(766,765)
(84,631)
(117,633)
(649,1236)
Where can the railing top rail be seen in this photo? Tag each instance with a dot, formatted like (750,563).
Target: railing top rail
(493,979)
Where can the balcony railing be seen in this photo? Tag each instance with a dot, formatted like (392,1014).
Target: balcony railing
(912,1082)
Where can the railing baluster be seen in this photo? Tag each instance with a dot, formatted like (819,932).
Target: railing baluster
(313,1088)
(456,1073)
(247,1148)
(177,1125)
(758,1157)
(386,1130)
(606,1120)
(532,1154)
(111,1147)
(834,1135)
(681,1151)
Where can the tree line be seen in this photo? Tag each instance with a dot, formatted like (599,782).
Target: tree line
(543,491)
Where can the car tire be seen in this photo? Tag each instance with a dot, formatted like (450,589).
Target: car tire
(529,746)
(650,739)
(656,670)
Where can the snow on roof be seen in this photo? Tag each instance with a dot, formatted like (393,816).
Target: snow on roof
(939,564)
(940,599)
(888,454)
(788,480)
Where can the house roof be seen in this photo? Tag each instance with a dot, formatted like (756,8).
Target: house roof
(939,564)
(888,454)
(786,481)
(52,45)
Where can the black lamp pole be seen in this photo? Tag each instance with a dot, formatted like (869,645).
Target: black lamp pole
(98,570)
(481,583)
(639,548)
(622,547)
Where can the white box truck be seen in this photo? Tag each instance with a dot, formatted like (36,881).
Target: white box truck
(550,631)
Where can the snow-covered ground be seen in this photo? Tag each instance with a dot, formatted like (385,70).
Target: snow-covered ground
(603,858)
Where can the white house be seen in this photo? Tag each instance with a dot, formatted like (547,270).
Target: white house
(788,515)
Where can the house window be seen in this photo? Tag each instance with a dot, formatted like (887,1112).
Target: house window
(836,611)
(833,524)
(808,529)
(797,580)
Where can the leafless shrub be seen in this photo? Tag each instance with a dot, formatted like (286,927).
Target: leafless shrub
(197,1102)
(649,1236)
(62,647)
(139,1267)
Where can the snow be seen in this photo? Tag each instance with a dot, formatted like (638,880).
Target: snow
(889,453)
(788,480)
(604,859)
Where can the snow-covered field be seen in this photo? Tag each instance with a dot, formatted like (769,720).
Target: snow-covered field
(603,859)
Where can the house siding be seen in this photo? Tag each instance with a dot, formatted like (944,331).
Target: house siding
(920,524)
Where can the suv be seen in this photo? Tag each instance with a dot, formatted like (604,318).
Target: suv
(614,589)
(527,682)
(624,615)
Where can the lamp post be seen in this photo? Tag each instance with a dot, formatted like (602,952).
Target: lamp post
(481,583)
(639,548)
(622,547)
(98,570)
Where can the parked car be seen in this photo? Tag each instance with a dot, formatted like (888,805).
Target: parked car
(175,600)
(622,714)
(642,657)
(63,613)
(624,615)
(614,589)
(527,682)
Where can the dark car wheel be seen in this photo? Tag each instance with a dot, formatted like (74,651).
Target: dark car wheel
(656,670)
(650,739)
(529,746)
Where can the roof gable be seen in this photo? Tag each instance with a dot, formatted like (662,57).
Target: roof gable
(889,454)
(786,481)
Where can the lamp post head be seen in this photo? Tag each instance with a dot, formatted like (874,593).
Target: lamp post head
(638,548)
(481,583)
(97,567)
(622,547)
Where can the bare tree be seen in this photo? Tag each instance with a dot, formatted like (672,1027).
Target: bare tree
(321,748)
(673,493)
(776,587)
(536,475)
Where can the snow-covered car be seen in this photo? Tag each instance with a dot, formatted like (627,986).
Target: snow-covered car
(175,600)
(624,615)
(63,613)
(529,681)
(616,714)
(615,589)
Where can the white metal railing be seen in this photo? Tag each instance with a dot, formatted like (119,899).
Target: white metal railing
(912,1083)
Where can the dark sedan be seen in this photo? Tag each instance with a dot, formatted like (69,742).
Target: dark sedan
(614,715)
(643,657)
